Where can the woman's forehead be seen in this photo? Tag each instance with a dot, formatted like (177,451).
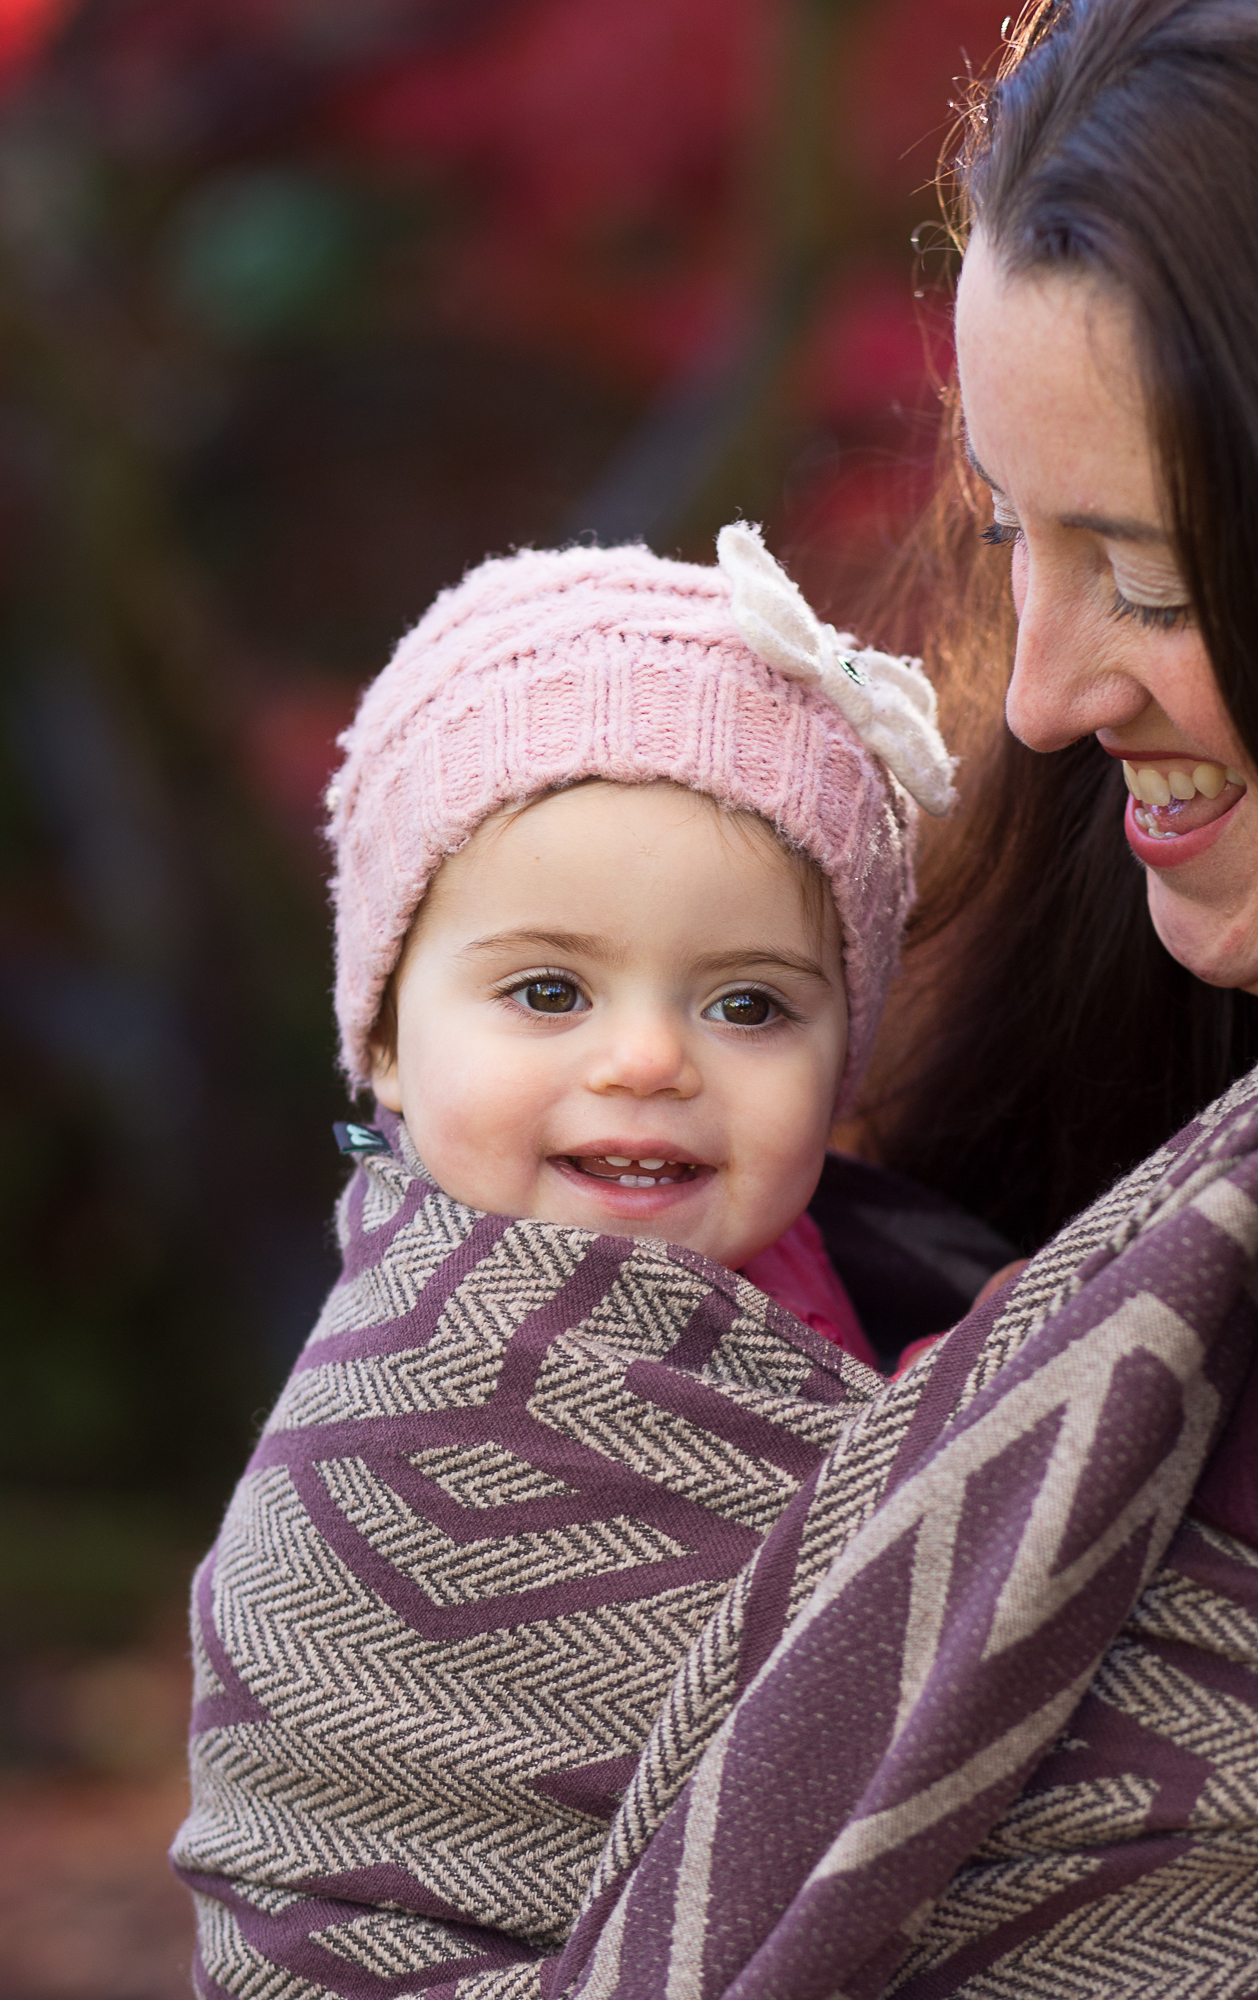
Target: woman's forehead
(1052,393)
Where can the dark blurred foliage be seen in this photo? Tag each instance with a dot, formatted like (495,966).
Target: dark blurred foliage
(305,305)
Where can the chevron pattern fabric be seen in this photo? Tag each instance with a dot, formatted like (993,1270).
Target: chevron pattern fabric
(583,1626)
(1039,1777)
(514,1472)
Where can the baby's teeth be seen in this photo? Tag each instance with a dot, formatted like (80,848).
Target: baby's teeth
(1154,789)
(1130,779)
(1182,786)
(650,1166)
(1235,777)
(1209,780)
(613,1161)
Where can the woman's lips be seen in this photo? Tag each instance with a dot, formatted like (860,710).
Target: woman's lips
(1184,829)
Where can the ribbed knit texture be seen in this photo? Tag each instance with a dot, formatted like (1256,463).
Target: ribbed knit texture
(543,668)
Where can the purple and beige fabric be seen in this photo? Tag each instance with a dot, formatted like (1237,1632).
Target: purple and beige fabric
(585,1626)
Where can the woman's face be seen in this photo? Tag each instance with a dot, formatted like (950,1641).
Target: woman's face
(1056,426)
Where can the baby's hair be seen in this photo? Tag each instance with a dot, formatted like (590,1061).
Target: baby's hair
(814,888)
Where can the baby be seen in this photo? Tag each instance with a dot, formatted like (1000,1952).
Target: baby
(617,907)
(623,860)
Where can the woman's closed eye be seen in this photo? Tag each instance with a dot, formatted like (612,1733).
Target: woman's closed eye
(1154,617)
(1153,614)
(1004,529)
(1149,587)
(545,993)
(749,1007)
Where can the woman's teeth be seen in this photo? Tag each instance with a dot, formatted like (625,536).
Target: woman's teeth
(1164,807)
(1158,788)
(640,1173)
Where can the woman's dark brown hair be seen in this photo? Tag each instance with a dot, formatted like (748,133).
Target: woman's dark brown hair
(1063,1043)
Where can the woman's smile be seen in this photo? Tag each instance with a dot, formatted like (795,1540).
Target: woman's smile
(1178,807)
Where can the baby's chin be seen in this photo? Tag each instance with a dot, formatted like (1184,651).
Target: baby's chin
(694,1214)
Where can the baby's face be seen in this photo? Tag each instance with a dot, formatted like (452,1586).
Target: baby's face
(622,1011)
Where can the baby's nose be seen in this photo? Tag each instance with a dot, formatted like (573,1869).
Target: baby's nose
(644,1056)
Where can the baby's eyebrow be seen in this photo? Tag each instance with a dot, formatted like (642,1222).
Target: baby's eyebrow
(581,944)
(586,944)
(745,957)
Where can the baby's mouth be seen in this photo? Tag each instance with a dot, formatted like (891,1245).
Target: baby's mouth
(1178,800)
(651,1172)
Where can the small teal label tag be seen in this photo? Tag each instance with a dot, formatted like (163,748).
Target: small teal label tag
(358,1139)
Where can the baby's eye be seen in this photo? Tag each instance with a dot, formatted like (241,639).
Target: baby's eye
(748,1009)
(549,996)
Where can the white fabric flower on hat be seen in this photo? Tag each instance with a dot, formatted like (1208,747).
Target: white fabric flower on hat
(889,702)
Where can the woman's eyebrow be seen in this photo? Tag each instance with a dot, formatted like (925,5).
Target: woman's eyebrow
(976,467)
(1111,528)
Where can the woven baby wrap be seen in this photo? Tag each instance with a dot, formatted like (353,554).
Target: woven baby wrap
(927,1688)
(510,1478)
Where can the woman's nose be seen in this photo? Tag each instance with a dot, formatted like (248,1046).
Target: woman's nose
(645,1055)
(1064,686)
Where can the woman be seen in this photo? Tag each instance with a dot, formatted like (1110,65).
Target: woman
(981,1716)
(1109,384)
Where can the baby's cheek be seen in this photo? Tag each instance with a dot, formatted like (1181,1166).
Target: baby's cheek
(466,1131)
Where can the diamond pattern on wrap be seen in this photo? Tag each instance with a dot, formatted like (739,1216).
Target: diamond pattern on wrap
(1188,1931)
(205,1682)
(1201,1720)
(982,1898)
(485,1475)
(388,1290)
(581,1392)
(390,1943)
(451,1572)
(1065,1817)
(648,1305)
(273,1901)
(385,1192)
(850,1482)
(232,1963)
(822,1424)
(750,1356)
(1181,1610)
(389,1385)
(385,1749)
(458,1368)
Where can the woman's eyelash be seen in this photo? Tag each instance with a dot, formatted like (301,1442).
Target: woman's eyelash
(999,534)
(1154,617)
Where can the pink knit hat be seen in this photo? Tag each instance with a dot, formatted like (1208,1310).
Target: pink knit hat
(542,668)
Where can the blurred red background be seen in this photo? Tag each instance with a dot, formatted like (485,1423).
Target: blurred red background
(306,305)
